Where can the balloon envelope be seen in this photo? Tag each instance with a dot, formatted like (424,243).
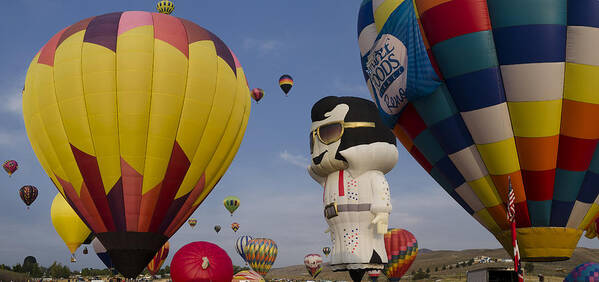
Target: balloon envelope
(158,260)
(584,272)
(28,194)
(402,248)
(313,263)
(247,275)
(261,254)
(164,106)
(285,82)
(201,261)
(10,166)
(231,203)
(235,226)
(257,94)
(217,228)
(67,223)
(326,251)
(240,244)
(480,124)
(192,222)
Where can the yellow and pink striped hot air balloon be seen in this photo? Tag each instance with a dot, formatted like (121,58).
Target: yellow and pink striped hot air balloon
(135,116)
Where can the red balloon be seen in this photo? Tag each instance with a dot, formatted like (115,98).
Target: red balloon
(201,261)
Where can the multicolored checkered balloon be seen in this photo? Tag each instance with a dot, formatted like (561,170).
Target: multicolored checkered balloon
(261,254)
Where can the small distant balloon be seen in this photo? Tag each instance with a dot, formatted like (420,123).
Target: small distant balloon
(28,194)
(10,166)
(326,251)
(286,82)
(257,94)
(235,226)
(217,228)
(231,203)
(192,222)
(313,263)
(165,7)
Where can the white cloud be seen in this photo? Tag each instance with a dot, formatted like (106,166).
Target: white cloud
(263,46)
(297,160)
(13,103)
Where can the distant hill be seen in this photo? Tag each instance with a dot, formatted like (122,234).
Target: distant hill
(437,259)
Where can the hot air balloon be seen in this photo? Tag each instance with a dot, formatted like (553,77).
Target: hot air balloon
(67,223)
(247,275)
(85,251)
(158,260)
(402,248)
(497,72)
(165,106)
(240,245)
(192,222)
(102,253)
(28,194)
(165,7)
(10,166)
(584,272)
(313,263)
(260,254)
(29,260)
(235,226)
(231,203)
(217,228)
(257,94)
(326,251)
(285,82)
(201,261)
(374,274)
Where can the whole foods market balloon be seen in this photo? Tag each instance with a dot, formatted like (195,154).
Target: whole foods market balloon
(10,166)
(499,69)
(402,248)
(192,222)
(158,260)
(260,254)
(285,82)
(240,244)
(313,263)
(235,226)
(231,203)
(257,94)
(67,223)
(584,273)
(217,228)
(201,261)
(326,251)
(135,116)
(247,275)
(28,194)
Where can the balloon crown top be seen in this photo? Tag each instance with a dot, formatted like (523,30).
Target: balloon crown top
(165,7)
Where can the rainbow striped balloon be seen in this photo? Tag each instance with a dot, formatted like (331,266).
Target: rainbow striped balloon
(515,99)
(261,254)
(402,248)
(159,258)
(285,82)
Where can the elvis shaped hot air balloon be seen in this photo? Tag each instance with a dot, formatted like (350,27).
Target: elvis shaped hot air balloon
(351,151)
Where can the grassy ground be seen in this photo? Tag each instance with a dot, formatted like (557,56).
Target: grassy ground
(6,275)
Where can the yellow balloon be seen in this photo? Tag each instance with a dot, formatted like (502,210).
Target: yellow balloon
(67,223)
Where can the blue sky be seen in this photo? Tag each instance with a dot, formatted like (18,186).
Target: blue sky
(314,41)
